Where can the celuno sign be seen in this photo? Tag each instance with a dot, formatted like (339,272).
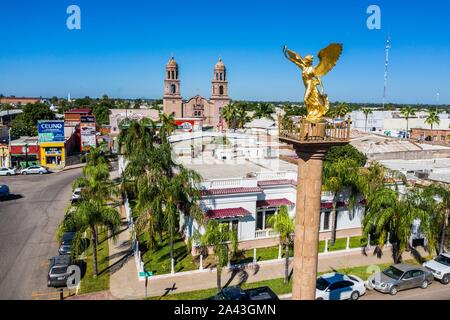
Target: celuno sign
(50,131)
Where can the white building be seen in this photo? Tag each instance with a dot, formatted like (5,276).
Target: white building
(245,192)
(394,121)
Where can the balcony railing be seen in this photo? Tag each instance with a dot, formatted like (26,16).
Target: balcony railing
(267,233)
(307,132)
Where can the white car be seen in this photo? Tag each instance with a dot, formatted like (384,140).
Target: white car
(76,194)
(337,286)
(34,170)
(7,172)
(440,267)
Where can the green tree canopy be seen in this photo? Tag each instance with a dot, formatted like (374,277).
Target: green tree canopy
(345,152)
(25,124)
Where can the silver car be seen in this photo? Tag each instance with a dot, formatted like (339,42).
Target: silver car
(34,170)
(400,277)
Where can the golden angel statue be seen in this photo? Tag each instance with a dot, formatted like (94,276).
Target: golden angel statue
(316,100)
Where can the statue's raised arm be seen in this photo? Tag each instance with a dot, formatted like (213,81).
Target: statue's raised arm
(294,57)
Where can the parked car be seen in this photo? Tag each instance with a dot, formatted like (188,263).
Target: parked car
(34,170)
(57,271)
(238,294)
(400,277)
(65,247)
(337,286)
(440,267)
(76,195)
(7,172)
(4,191)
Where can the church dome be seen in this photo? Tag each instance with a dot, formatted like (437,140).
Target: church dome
(172,63)
(219,65)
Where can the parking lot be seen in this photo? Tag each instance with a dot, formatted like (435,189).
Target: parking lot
(28,224)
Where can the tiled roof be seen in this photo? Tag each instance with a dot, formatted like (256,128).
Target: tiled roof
(274,203)
(218,192)
(339,204)
(227,213)
(266,183)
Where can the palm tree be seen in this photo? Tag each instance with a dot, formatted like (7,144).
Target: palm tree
(242,117)
(264,110)
(438,202)
(432,118)
(167,126)
(408,112)
(342,109)
(88,216)
(284,226)
(219,236)
(137,136)
(387,213)
(366,112)
(228,113)
(338,176)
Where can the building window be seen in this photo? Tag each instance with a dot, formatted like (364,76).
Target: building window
(172,89)
(221,76)
(235,226)
(326,220)
(262,218)
(168,74)
(221,90)
(173,74)
(217,76)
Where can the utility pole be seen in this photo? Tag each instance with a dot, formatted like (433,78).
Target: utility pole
(388,46)
(9,147)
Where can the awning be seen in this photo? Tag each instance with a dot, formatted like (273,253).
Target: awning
(227,213)
(274,203)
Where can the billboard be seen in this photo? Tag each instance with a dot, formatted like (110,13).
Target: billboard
(188,125)
(88,137)
(50,131)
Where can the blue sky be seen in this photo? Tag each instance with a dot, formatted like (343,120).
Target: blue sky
(123,46)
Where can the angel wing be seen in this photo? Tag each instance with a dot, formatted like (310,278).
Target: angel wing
(294,57)
(328,58)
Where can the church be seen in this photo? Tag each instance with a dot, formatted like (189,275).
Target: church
(197,108)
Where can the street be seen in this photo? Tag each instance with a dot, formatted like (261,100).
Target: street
(28,227)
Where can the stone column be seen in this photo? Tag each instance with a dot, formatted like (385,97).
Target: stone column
(307,220)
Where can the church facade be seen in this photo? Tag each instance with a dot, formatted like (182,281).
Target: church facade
(197,107)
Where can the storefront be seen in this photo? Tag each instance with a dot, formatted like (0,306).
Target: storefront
(52,143)
(24,152)
(52,154)
(4,155)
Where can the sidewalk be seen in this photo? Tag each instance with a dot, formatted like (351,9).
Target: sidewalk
(124,283)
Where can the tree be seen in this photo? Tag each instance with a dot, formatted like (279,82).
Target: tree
(219,236)
(432,118)
(284,226)
(242,116)
(25,124)
(167,126)
(345,152)
(264,110)
(408,112)
(340,175)
(342,109)
(366,112)
(93,210)
(88,216)
(437,204)
(137,104)
(101,111)
(387,213)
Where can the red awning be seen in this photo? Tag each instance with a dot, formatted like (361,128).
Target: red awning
(274,203)
(227,213)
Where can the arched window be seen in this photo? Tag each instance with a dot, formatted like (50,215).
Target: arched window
(217,76)
(173,74)
(172,89)
(168,74)
(221,76)
(221,90)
